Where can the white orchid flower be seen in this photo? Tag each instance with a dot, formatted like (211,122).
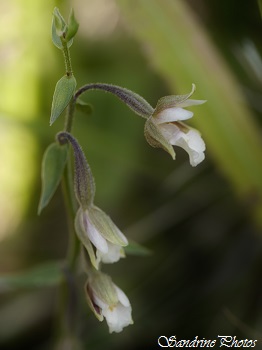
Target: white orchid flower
(165,128)
(96,230)
(108,301)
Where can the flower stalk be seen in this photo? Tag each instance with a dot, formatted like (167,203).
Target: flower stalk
(91,229)
(134,101)
(67,58)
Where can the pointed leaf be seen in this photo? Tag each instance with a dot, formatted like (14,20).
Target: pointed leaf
(72,27)
(135,248)
(59,20)
(58,27)
(64,91)
(55,37)
(53,164)
(48,274)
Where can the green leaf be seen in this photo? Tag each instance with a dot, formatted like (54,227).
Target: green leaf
(55,37)
(64,91)
(72,27)
(45,275)
(135,248)
(59,20)
(58,26)
(84,107)
(53,164)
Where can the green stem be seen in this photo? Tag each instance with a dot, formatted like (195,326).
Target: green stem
(67,59)
(69,116)
(67,183)
(71,208)
(134,101)
(68,299)
(69,72)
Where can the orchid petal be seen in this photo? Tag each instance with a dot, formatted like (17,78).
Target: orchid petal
(190,141)
(189,102)
(123,299)
(94,235)
(172,115)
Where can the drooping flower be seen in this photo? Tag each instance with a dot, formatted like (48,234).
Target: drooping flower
(96,230)
(102,239)
(108,301)
(165,127)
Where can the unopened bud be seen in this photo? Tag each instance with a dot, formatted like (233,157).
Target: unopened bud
(83,180)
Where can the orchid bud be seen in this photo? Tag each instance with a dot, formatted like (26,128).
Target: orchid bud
(72,27)
(84,184)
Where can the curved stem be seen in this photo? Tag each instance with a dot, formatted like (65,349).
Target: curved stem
(134,101)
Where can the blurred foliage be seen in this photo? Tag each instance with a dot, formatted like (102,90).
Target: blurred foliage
(204,276)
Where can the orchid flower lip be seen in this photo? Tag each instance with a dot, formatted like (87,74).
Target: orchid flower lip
(190,141)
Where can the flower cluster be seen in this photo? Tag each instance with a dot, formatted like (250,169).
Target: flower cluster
(102,240)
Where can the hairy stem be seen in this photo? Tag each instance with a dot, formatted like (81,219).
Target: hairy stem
(134,101)
(67,59)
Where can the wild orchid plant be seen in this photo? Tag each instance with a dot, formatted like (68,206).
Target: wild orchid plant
(95,234)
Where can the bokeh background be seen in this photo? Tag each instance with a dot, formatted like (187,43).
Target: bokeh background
(201,225)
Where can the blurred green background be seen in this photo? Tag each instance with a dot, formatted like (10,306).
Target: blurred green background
(203,225)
